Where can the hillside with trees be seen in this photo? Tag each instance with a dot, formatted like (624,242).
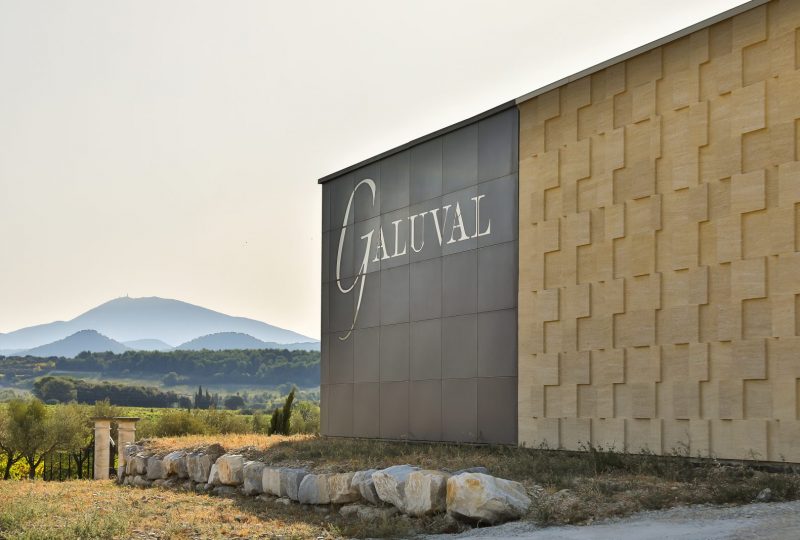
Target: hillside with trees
(268,367)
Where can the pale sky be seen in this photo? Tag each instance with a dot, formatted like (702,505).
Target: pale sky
(172,148)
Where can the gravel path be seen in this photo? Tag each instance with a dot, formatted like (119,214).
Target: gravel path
(765,521)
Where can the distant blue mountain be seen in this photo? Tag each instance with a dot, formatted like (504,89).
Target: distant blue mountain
(235,340)
(71,346)
(132,319)
(148,345)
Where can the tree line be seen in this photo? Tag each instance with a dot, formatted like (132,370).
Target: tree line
(54,389)
(263,366)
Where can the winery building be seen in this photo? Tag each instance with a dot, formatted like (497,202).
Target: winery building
(610,260)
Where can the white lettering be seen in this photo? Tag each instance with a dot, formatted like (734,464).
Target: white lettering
(439,228)
(397,239)
(458,223)
(411,220)
(380,247)
(363,270)
(478,218)
(458,233)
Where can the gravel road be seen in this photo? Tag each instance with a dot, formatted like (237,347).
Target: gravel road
(764,521)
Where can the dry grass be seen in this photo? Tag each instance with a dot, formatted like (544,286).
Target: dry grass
(102,510)
(231,441)
(580,487)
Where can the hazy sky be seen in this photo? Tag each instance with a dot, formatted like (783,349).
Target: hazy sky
(172,148)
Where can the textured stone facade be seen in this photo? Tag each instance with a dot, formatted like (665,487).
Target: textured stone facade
(659,279)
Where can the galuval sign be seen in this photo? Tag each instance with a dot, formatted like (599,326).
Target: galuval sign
(416,233)
(419,290)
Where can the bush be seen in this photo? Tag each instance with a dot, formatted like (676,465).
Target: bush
(177,422)
(260,423)
(305,418)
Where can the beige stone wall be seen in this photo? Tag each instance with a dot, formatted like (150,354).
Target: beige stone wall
(659,236)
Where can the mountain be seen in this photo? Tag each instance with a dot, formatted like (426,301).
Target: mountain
(71,346)
(148,345)
(222,341)
(129,319)
(235,340)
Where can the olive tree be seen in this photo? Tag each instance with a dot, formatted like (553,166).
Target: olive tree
(35,430)
(11,454)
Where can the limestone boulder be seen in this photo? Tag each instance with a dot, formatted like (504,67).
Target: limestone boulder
(314,489)
(213,477)
(175,464)
(271,481)
(480,497)
(155,468)
(290,482)
(390,484)
(138,465)
(129,451)
(198,466)
(362,480)
(231,469)
(253,472)
(426,493)
(341,490)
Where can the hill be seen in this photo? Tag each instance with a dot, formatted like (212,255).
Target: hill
(129,319)
(222,341)
(148,345)
(71,346)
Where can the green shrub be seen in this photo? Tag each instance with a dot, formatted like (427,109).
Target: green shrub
(305,418)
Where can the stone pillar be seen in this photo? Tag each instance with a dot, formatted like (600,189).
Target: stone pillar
(102,441)
(126,434)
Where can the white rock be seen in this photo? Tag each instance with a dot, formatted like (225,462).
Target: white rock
(290,482)
(480,497)
(390,484)
(130,451)
(314,489)
(362,480)
(426,493)
(284,501)
(271,481)
(198,466)
(282,481)
(155,469)
(138,465)
(175,464)
(230,467)
(213,476)
(252,472)
(341,490)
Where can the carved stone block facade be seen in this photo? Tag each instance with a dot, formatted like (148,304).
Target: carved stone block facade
(659,279)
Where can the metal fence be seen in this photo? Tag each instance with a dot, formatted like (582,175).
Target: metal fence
(65,465)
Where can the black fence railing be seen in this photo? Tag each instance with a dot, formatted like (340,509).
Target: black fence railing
(62,465)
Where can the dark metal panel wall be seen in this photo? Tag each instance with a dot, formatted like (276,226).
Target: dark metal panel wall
(422,343)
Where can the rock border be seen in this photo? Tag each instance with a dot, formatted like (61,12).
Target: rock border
(470,495)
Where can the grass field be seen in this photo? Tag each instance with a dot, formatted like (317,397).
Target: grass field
(102,510)
(578,488)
